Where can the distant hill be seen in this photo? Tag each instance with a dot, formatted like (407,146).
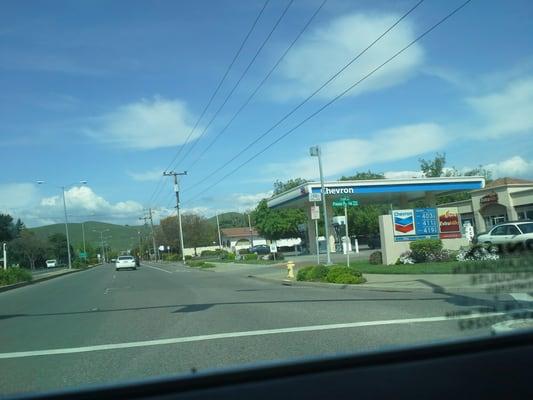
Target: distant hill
(230,220)
(119,237)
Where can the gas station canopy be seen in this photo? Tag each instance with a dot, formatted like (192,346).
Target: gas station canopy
(394,191)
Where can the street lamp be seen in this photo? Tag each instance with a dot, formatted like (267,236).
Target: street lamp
(315,151)
(63,187)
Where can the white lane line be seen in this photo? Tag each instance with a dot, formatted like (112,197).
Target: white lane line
(522,296)
(160,269)
(216,336)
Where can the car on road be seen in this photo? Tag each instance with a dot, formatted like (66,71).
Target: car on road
(125,262)
(51,263)
(509,235)
(260,249)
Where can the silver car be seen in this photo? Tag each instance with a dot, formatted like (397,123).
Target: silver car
(124,262)
(509,235)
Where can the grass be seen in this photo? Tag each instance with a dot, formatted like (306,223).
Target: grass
(453,267)
(265,262)
(200,264)
(13,275)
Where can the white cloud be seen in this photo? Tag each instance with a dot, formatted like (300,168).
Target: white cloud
(403,174)
(152,175)
(327,48)
(246,201)
(347,154)
(507,111)
(148,124)
(513,167)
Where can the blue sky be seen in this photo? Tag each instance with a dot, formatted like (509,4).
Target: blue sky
(109,91)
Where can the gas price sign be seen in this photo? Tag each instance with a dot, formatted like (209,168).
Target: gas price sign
(426,222)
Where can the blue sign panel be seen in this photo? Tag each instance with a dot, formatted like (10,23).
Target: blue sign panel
(426,222)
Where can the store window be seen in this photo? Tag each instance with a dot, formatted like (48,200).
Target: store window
(493,220)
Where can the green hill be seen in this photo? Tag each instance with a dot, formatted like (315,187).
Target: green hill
(230,220)
(119,237)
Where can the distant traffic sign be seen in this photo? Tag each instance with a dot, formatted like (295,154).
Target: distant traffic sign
(345,201)
(83,255)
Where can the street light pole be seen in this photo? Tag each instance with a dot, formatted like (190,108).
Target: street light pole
(251,233)
(102,241)
(316,152)
(83,236)
(5,256)
(219,237)
(177,191)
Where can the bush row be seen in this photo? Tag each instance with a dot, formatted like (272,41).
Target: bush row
(200,264)
(14,275)
(334,274)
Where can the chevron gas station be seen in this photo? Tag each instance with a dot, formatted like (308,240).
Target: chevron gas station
(402,225)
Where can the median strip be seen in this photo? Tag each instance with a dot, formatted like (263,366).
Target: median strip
(229,335)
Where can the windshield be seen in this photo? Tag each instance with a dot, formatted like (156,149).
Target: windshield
(200,185)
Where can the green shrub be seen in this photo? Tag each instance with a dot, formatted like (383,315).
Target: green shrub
(188,257)
(248,257)
(317,273)
(425,249)
(210,253)
(302,274)
(338,274)
(14,275)
(375,258)
(279,256)
(172,257)
(244,251)
(348,279)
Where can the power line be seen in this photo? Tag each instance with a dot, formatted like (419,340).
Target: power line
(314,93)
(222,80)
(426,32)
(274,67)
(236,85)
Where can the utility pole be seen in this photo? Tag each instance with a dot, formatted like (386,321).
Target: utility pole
(219,237)
(83,235)
(102,242)
(316,152)
(145,219)
(156,250)
(177,191)
(251,232)
(5,256)
(140,246)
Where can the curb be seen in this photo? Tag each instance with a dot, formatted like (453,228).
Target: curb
(361,286)
(46,278)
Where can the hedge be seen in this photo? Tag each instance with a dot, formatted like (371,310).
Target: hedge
(14,275)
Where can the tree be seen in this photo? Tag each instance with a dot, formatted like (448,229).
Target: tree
(7,229)
(277,224)
(58,247)
(363,219)
(480,171)
(167,233)
(359,176)
(29,249)
(280,187)
(433,168)
(197,231)
(19,227)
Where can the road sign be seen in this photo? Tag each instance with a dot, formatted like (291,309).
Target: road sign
(83,255)
(273,248)
(315,196)
(315,212)
(345,201)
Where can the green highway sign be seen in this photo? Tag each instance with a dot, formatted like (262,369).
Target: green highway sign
(83,255)
(345,201)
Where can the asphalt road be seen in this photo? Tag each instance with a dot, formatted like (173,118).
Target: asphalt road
(95,320)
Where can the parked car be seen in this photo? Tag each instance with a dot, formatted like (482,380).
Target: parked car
(260,249)
(509,235)
(125,262)
(51,263)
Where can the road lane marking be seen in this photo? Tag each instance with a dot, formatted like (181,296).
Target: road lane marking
(160,269)
(229,335)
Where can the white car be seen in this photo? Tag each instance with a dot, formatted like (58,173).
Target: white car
(509,235)
(125,262)
(51,263)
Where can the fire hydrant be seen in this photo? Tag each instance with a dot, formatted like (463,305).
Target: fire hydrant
(290,269)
